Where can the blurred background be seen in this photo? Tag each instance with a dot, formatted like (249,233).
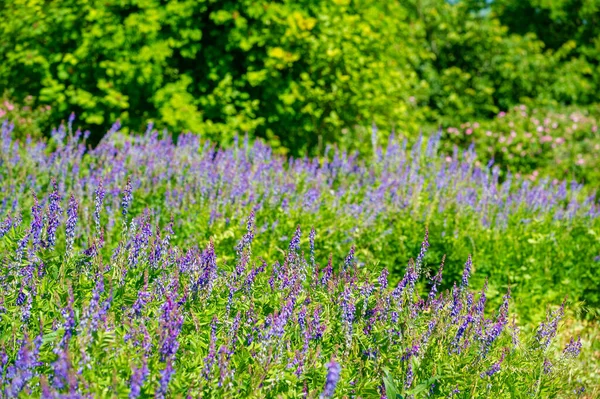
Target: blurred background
(520,78)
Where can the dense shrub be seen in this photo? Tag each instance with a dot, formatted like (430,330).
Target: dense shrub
(300,74)
(538,143)
(293,72)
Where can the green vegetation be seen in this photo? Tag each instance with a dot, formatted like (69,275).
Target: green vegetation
(297,73)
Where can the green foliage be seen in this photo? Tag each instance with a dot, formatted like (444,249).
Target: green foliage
(293,72)
(299,74)
(538,143)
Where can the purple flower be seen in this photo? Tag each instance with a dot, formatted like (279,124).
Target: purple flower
(466,274)
(327,272)
(5,226)
(547,330)
(495,367)
(138,378)
(311,239)
(127,197)
(316,328)
(456,303)
(98,200)
(350,259)
(437,280)
(71,222)
(71,120)
(209,360)
(494,331)
(573,348)
(142,300)
(295,242)
(246,240)
(348,309)
(63,375)
(171,321)
(409,376)
(165,378)
(53,216)
(460,333)
(23,369)
(333,377)
(302,318)
(424,247)
(383,279)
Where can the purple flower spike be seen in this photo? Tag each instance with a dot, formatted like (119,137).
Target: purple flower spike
(71,222)
(5,226)
(127,197)
(333,376)
(409,376)
(311,239)
(383,279)
(98,200)
(573,348)
(246,241)
(295,243)
(350,261)
(547,330)
(437,280)
(424,247)
(165,378)
(466,274)
(138,377)
(53,215)
(171,321)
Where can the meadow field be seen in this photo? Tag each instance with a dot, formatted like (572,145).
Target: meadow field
(300,199)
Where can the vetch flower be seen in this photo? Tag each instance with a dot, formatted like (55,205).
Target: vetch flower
(573,348)
(333,377)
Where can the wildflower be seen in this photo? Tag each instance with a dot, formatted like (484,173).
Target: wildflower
(5,226)
(547,366)
(138,378)
(494,331)
(466,274)
(316,328)
(209,360)
(37,223)
(409,376)
(495,367)
(23,369)
(126,200)
(295,242)
(424,247)
(573,348)
(246,240)
(171,321)
(383,279)
(349,261)
(311,239)
(437,279)
(547,330)
(456,303)
(71,222)
(165,378)
(53,216)
(333,376)
(98,200)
